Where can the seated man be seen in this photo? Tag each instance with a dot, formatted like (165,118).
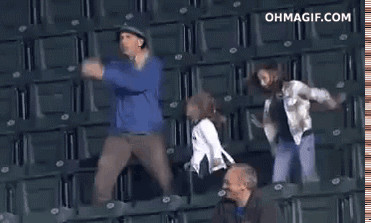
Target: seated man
(243,201)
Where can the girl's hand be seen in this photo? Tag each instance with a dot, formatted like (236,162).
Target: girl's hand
(217,162)
(187,166)
(255,121)
(337,101)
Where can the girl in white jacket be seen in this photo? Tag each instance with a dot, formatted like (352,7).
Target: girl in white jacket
(205,141)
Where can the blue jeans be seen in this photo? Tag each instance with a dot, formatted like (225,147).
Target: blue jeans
(285,152)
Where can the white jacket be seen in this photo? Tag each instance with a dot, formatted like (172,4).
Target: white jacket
(205,141)
(296,96)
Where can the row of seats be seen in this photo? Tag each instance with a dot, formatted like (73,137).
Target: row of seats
(338,198)
(59,58)
(66,102)
(341,73)
(175,42)
(112,12)
(53,125)
(59,151)
(70,150)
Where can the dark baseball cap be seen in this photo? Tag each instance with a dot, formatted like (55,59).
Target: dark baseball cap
(135,23)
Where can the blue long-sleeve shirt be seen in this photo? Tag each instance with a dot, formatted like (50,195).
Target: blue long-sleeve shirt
(136,96)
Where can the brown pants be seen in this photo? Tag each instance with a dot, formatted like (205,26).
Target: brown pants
(149,149)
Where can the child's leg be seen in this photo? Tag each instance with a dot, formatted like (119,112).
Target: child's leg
(307,158)
(282,162)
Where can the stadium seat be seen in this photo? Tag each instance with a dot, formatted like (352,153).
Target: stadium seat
(44,151)
(97,101)
(90,140)
(181,177)
(271,32)
(8,151)
(207,199)
(57,52)
(3,198)
(316,209)
(11,162)
(103,43)
(271,4)
(169,39)
(10,21)
(334,119)
(108,13)
(82,185)
(218,38)
(145,218)
(211,184)
(99,220)
(286,210)
(360,69)
(331,76)
(141,177)
(173,132)
(8,103)
(172,43)
(201,215)
(254,136)
(162,11)
(177,133)
(56,14)
(40,195)
(51,100)
(171,87)
(355,163)
(280,191)
(12,60)
(231,129)
(329,161)
(217,79)
(358,205)
(328,30)
(262,162)
(211,8)
(358,115)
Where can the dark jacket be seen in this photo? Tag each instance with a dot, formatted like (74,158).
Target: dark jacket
(256,211)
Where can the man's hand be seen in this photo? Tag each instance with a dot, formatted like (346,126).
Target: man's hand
(92,68)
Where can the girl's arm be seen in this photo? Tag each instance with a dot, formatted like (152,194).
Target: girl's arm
(320,95)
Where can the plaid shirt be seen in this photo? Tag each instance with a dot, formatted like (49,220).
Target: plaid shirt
(296,96)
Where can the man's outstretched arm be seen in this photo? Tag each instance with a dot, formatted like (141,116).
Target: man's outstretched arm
(92,69)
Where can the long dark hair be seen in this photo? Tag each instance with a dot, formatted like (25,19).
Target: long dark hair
(273,69)
(206,103)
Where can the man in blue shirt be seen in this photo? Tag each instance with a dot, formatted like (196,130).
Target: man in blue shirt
(137,122)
